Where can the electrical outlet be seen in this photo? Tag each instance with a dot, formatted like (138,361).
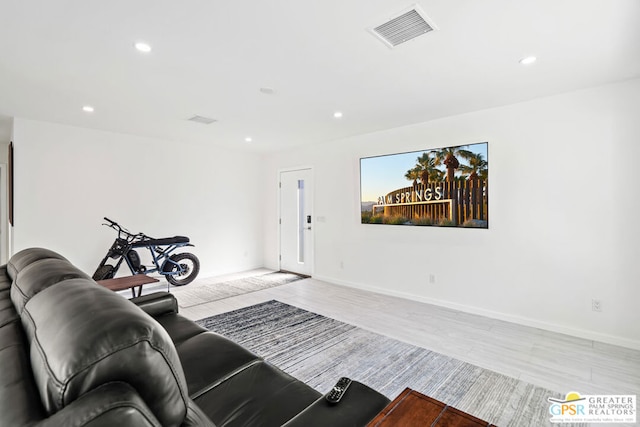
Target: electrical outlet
(342,265)
(432,278)
(596,305)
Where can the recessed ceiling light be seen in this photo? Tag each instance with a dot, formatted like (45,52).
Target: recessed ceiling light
(88,109)
(248,139)
(143,47)
(267,90)
(337,114)
(528,60)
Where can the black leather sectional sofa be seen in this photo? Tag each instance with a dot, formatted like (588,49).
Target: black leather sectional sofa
(73,353)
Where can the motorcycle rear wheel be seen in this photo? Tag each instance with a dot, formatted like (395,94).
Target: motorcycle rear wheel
(189,263)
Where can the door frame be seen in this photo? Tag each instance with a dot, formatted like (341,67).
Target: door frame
(313,225)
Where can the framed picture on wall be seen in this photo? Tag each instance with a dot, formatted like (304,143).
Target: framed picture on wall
(446,187)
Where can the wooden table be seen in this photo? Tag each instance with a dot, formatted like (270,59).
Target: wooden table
(413,409)
(128,282)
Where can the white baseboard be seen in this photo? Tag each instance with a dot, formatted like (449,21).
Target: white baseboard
(525,321)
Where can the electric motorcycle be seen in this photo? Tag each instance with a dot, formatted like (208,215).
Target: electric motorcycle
(178,268)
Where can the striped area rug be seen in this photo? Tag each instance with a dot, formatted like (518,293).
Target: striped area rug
(318,350)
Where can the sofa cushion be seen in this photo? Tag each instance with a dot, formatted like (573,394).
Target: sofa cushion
(41,274)
(86,336)
(179,327)
(19,400)
(7,311)
(5,280)
(260,395)
(111,404)
(27,256)
(207,358)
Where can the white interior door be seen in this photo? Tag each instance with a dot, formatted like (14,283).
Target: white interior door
(296,225)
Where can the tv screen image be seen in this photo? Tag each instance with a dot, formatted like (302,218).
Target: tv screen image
(446,187)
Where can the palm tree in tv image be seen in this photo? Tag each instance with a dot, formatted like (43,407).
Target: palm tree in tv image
(426,170)
(449,158)
(414,175)
(478,167)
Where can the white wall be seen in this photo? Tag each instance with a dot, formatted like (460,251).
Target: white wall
(563,216)
(4,152)
(67,179)
(6,129)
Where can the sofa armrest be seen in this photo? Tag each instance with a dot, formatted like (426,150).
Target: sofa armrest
(112,404)
(359,405)
(157,303)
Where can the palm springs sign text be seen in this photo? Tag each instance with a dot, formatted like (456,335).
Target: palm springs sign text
(416,196)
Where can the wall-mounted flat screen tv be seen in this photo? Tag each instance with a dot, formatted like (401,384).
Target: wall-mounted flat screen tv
(446,187)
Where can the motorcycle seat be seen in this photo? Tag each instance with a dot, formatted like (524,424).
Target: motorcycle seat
(161,242)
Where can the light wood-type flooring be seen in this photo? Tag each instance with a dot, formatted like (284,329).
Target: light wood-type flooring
(555,361)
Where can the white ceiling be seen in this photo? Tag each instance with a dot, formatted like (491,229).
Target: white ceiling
(211,58)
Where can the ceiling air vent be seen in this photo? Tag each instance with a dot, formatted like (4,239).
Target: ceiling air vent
(403,27)
(203,120)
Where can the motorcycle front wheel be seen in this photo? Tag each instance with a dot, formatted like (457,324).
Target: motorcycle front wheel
(189,264)
(104,272)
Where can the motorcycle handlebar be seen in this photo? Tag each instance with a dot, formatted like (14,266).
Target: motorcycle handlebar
(116,226)
(120,229)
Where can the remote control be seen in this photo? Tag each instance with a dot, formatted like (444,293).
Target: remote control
(338,390)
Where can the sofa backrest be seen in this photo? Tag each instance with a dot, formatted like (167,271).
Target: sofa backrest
(34,270)
(26,257)
(82,335)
